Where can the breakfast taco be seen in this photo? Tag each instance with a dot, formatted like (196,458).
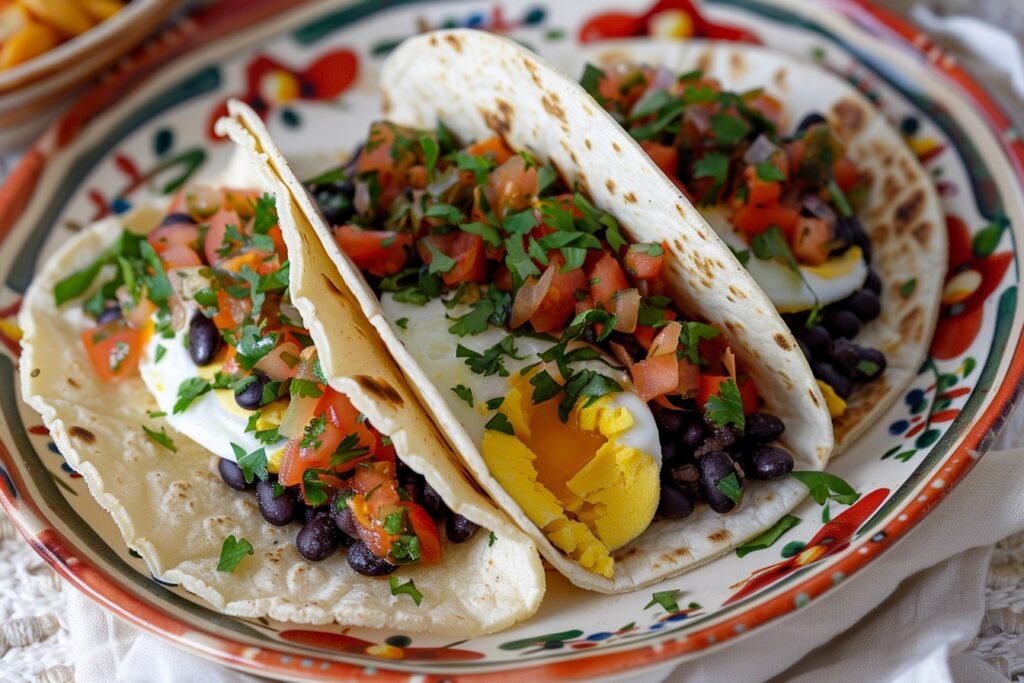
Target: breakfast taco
(609,373)
(207,371)
(812,189)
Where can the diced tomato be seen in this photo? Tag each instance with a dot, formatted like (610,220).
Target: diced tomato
(179,256)
(230,311)
(503,278)
(559,303)
(494,146)
(242,202)
(810,241)
(641,264)
(215,234)
(342,415)
(622,87)
(753,220)
(254,259)
(380,153)
(379,252)
(645,335)
(768,106)
(606,278)
(291,468)
(513,186)
(114,349)
(426,530)
(761,193)
(417,176)
(665,157)
(470,260)
(279,245)
(845,173)
(709,386)
(655,376)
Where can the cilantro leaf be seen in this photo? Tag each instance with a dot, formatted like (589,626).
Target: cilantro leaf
(493,307)
(313,430)
(406,549)
(489,233)
(315,490)
(769,537)
(157,285)
(394,523)
(161,438)
(407,588)
(690,337)
(264,214)
(465,393)
(728,129)
(824,486)
(253,345)
(908,287)
(491,538)
(253,465)
(305,388)
(446,211)
(716,167)
(232,552)
(430,152)
(591,82)
(490,361)
(190,390)
(772,244)
(726,407)
(439,261)
(544,387)
(730,487)
(769,172)
(500,423)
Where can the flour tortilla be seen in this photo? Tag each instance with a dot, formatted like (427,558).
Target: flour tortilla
(903,216)
(480,85)
(174,509)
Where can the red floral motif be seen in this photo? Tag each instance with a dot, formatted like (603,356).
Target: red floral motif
(270,83)
(832,538)
(970,280)
(357,646)
(675,18)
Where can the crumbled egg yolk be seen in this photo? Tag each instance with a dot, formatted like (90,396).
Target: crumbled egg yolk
(833,401)
(589,492)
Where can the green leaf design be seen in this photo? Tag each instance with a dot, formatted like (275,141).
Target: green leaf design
(985,242)
(768,538)
(667,600)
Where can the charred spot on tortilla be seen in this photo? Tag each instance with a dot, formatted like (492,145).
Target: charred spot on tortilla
(499,121)
(73,383)
(782,342)
(455,42)
(380,389)
(532,68)
(610,184)
(780,79)
(912,324)
(616,147)
(814,399)
(35,372)
(433,40)
(890,188)
(553,107)
(82,434)
(923,233)
(720,536)
(703,62)
(909,209)
(851,115)
(630,198)
(737,64)
(586,141)
(739,294)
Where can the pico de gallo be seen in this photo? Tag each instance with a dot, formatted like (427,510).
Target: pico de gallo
(499,235)
(792,200)
(206,295)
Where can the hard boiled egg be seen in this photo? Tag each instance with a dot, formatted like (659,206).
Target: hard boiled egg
(591,483)
(836,279)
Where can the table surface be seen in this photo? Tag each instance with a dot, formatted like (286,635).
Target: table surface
(34,640)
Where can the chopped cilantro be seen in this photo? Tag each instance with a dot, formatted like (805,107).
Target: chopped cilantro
(156,413)
(268,436)
(305,388)
(769,537)
(908,287)
(314,429)
(348,449)
(726,407)
(402,323)
(824,486)
(493,307)
(544,387)
(690,336)
(730,487)
(768,172)
(232,552)
(250,426)
(446,211)
(465,393)
(161,438)
(495,403)
(253,345)
(159,354)
(315,490)
(394,523)
(490,361)
(591,82)
(728,129)
(488,233)
(716,167)
(190,390)
(667,600)
(868,367)
(491,538)
(772,244)
(742,256)
(839,198)
(407,588)
(430,153)
(500,423)
(253,465)
(406,548)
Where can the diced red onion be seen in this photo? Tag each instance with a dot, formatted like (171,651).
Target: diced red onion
(819,208)
(280,363)
(361,197)
(700,116)
(760,150)
(666,341)
(530,296)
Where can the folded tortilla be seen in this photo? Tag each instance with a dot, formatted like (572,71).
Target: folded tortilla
(480,85)
(173,508)
(902,216)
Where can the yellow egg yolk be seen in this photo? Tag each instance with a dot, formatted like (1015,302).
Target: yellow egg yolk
(588,491)
(835,403)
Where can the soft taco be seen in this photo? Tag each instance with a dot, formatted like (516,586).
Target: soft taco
(208,372)
(828,208)
(609,373)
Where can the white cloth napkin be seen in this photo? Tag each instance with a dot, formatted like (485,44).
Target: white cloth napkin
(906,618)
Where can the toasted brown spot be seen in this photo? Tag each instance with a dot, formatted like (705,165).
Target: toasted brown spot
(780,78)
(909,209)
(616,147)
(630,198)
(782,342)
(380,389)
(720,536)
(814,399)
(851,115)
(922,233)
(552,107)
(454,41)
(586,142)
(82,433)
(679,552)
(610,184)
(34,373)
(385,103)
(912,325)
(703,62)
(73,383)
(433,40)
(737,292)
(890,188)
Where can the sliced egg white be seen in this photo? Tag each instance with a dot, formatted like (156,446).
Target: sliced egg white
(213,420)
(834,280)
(591,484)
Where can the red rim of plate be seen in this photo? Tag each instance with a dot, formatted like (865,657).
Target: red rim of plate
(80,572)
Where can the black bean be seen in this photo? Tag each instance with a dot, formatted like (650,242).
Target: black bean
(280,510)
(714,467)
(842,237)
(709,445)
(828,374)
(675,503)
(178,217)
(864,304)
(319,538)
(872,282)
(841,323)
(433,503)
(727,435)
(804,349)
(204,340)
(671,454)
(335,201)
(816,337)
(629,342)
(232,475)
(459,529)
(810,120)
(770,462)
(860,363)
(669,421)
(304,513)
(763,427)
(250,396)
(693,434)
(109,315)
(860,237)
(344,518)
(362,559)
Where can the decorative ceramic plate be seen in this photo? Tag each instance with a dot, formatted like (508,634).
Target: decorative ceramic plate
(310,71)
